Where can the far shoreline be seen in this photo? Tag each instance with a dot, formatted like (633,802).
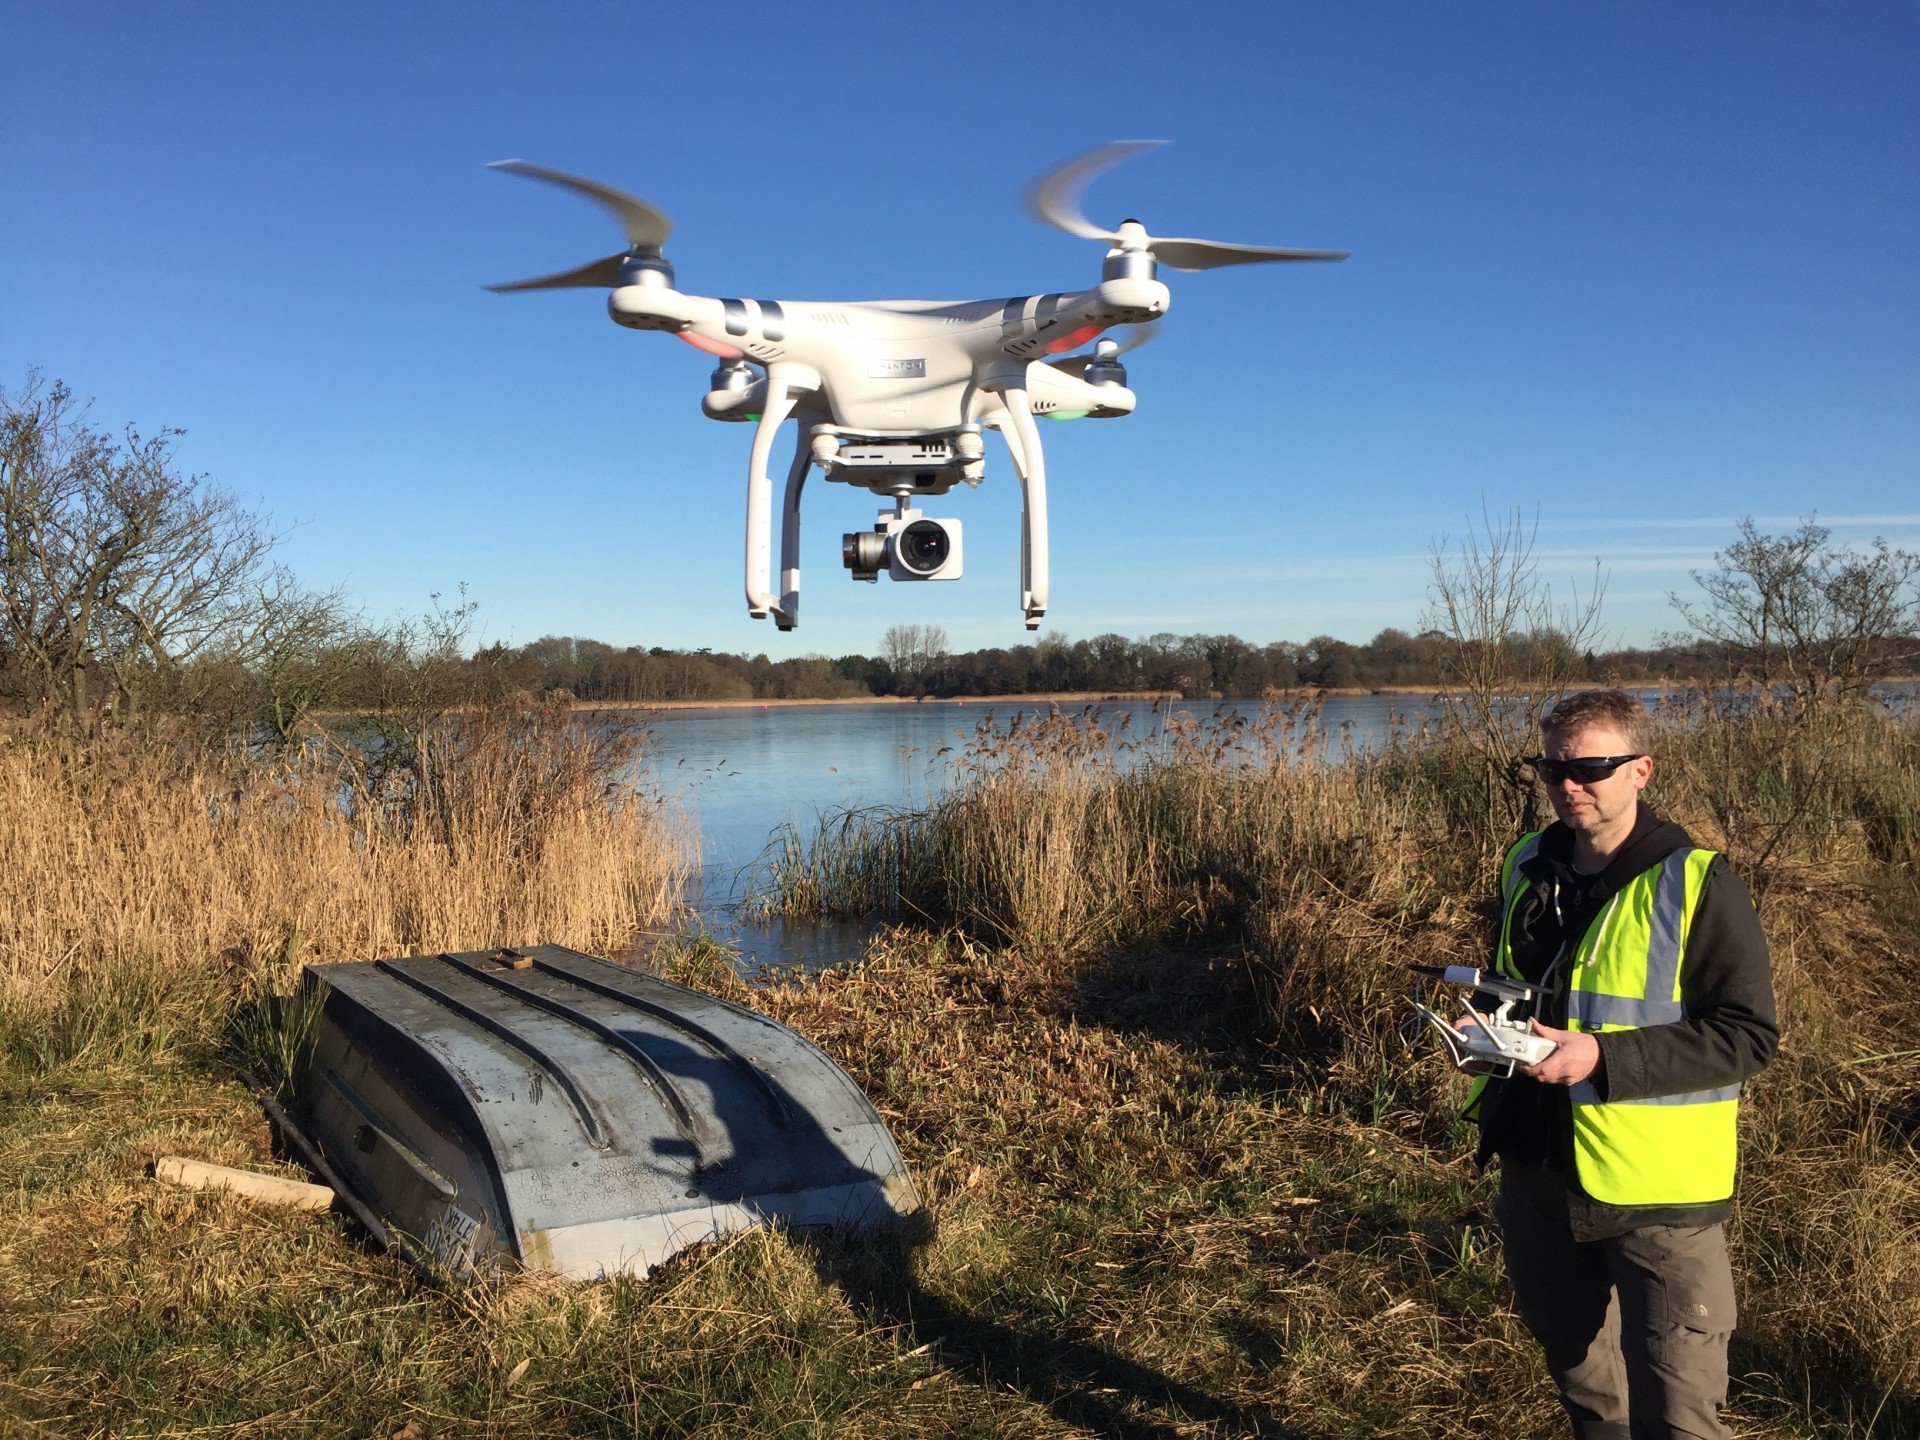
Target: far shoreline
(1049,697)
(1114,697)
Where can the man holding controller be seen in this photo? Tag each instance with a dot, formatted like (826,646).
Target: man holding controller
(1617,1150)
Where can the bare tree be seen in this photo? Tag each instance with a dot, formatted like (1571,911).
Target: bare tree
(1797,611)
(404,679)
(115,565)
(298,652)
(1507,653)
(912,649)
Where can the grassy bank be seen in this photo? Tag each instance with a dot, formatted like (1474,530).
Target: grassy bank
(1141,1052)
(1326,880)
(148,883)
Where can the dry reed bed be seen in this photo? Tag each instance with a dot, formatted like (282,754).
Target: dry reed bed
(1195,1191)
(1062,835)
(167,878)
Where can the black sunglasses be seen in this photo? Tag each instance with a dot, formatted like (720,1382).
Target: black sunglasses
(1586,770)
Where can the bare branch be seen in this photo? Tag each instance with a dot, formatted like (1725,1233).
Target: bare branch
(1508,653)
(1797,613)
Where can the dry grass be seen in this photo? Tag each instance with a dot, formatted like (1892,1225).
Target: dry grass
(1133,1240)
(1141,1231)
(146,882)
(1329,879)
(1128,1206)
(1185,1182)
(1063,835)
(129,1307)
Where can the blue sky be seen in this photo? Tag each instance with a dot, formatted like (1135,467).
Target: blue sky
(1640,269)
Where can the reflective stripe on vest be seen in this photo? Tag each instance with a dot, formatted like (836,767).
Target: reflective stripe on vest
(1675,1149)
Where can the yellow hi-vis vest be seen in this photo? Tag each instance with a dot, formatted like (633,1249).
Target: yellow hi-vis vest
(1625,974)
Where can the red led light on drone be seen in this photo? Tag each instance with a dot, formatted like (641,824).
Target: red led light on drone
(1073,341)
(712,347)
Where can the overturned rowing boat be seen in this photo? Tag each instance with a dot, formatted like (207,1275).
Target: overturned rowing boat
(541,1106)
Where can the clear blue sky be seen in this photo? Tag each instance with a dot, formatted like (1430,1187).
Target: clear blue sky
(1644,267)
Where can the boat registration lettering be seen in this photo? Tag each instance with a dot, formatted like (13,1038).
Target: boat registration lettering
(450,1238)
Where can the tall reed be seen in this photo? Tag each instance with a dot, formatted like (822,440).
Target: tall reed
(154,879)
(1063,834)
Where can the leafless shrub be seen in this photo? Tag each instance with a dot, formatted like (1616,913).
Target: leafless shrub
(1511,650)
(116,568)
(1798,613)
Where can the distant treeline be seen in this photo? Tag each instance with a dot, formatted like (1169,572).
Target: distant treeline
(1195,666)
(130,591)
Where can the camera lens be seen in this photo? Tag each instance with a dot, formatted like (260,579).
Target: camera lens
(923,547)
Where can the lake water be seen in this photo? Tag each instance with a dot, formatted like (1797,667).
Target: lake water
(741,772)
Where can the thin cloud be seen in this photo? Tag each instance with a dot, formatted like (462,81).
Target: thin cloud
(1723,522)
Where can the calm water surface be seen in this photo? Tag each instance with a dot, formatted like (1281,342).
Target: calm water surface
(741,772)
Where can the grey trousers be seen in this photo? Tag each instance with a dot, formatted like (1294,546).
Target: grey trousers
(1634,1327)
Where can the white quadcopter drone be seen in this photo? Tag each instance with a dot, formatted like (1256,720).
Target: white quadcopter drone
(892,395)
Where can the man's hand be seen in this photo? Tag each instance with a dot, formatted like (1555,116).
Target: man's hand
(1577,1057)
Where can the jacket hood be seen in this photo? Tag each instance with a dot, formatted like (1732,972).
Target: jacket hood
(1651,841)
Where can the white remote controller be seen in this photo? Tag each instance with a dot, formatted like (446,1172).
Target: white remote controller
(1491,1044)
(1495,1039)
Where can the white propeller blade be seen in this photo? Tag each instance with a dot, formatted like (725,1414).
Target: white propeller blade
(601,274)
(1055,196)
(1055,199)
(1212,254)
(646,228)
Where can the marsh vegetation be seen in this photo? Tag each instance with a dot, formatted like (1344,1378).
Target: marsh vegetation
(1138,1033)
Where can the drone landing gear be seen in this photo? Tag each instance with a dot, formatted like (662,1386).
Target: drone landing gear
(786,614)
(1030,464)
(760,601)
(783,397)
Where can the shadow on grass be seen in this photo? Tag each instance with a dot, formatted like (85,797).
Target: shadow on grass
(1198,1000)
(1081,1382)
(1839,1393)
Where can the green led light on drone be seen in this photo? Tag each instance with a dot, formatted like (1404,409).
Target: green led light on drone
(1066,414)
(750,416)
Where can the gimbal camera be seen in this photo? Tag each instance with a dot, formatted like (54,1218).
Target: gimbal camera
(907,545)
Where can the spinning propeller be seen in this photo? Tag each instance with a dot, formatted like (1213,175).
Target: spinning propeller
(1056,200)
(646,230)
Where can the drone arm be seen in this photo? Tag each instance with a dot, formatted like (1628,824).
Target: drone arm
(657,307)
(787,614)
(760,495)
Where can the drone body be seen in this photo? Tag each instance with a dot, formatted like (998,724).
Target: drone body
(893,396)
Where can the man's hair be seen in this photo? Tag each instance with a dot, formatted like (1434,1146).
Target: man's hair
(1585,709)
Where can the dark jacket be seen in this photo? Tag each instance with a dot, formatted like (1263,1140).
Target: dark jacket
(1728,1035)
